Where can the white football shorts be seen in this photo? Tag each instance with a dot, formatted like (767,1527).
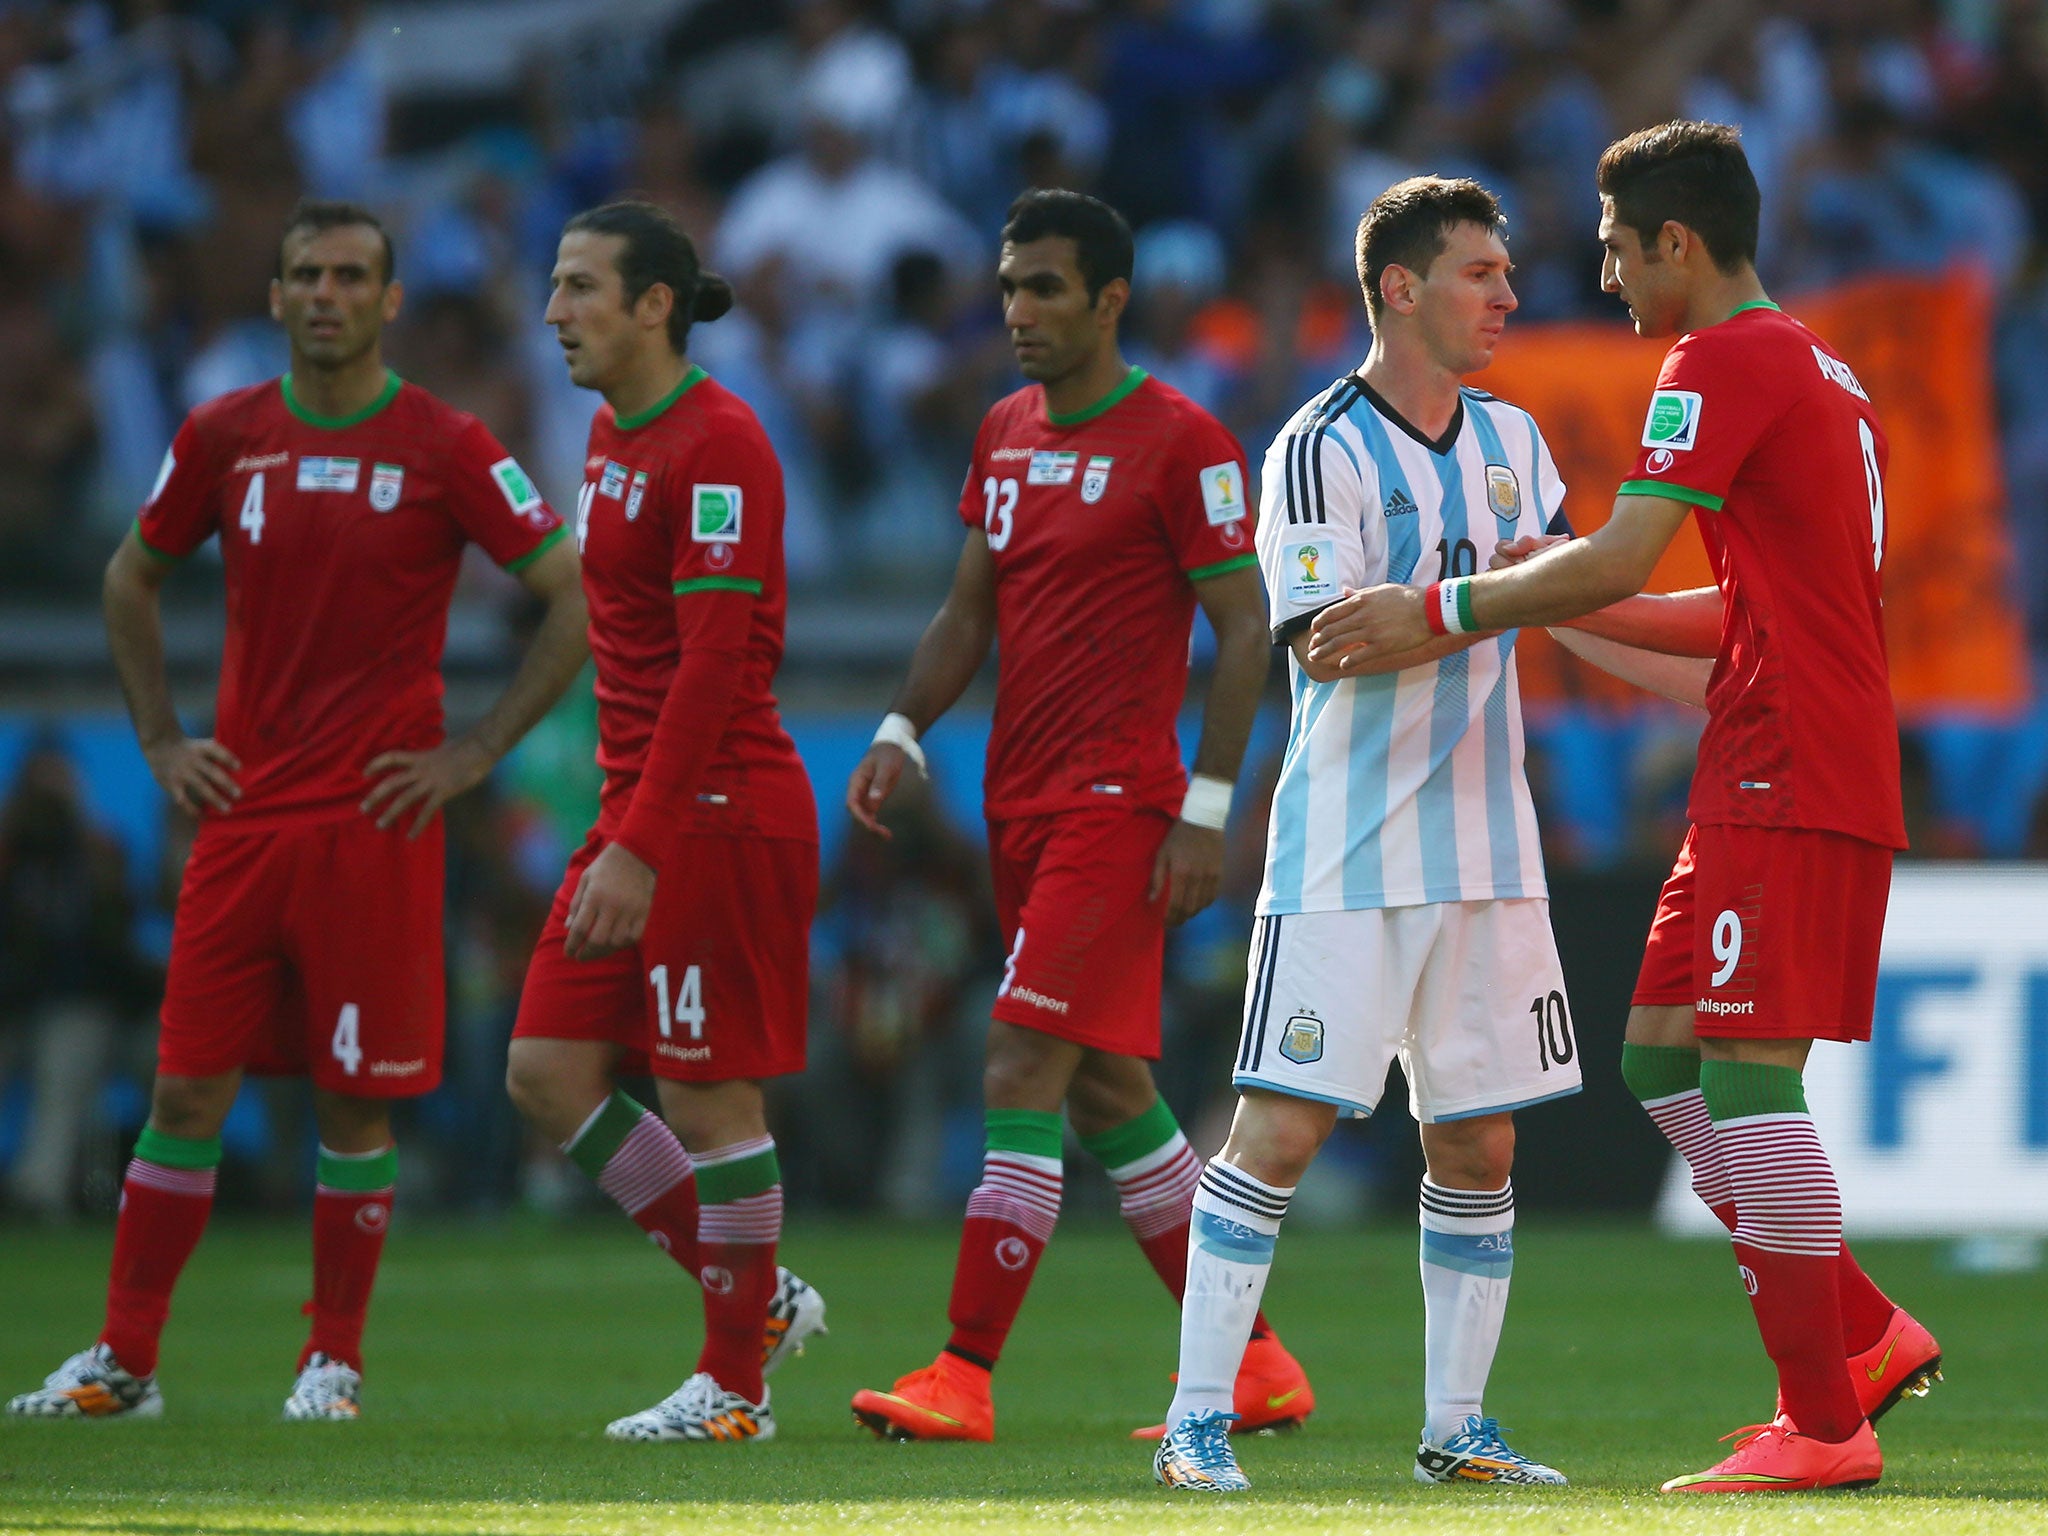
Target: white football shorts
(1467,994)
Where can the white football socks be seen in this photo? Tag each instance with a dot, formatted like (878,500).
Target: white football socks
(1230,1252)
(1468,1253)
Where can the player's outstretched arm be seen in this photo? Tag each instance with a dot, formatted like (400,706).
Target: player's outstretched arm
(951,651)
(1684,623)
(1189,866)
(420,783)
(1682,679)
(197,773)
(1606,566)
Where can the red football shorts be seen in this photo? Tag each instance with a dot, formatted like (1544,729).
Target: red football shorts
(1086,947)
(310,951)
(718,988)
(1771,933)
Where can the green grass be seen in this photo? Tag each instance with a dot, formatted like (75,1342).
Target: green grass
(497,1355)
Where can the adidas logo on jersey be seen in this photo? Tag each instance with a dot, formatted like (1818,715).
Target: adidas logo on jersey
(1400,503)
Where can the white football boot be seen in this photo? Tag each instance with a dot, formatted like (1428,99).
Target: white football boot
(700,1409)
(91,1385)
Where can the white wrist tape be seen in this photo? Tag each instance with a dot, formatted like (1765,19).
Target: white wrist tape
(900,733)
(1207,803)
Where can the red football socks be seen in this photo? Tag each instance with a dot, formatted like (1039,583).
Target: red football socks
(165,1200)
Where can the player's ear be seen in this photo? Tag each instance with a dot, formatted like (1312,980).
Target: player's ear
(653,307)
(394,299)
(1674,241)
(1397,288)
(1111,302)
(277,300)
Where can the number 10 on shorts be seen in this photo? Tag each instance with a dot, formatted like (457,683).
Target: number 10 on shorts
(687,1005)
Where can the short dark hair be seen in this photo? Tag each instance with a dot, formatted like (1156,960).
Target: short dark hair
(657,251)
(321,214)
(1410,223)
(1687,173)
(1103,248)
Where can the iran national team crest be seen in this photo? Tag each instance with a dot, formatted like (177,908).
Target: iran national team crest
(635,495)
(1095,480)
(387,485)
(1503,492)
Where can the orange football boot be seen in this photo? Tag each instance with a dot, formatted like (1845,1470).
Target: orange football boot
(947,1400)
(1271,1392)
(1904,1362)
(1777,1458)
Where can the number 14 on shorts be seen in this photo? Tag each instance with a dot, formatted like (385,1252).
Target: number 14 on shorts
(684,1006)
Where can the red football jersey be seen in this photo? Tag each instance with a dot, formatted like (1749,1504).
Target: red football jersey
(1768,434)
(678,503)
(1100,523)
(341,538)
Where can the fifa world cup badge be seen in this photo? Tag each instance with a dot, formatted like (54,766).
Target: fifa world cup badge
(1307,556)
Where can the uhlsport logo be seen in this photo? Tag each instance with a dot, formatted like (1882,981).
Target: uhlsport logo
(373,1217)
(1013,1253)
(1674,420)
(1749,1281)
(716,1279)
(1716,1007)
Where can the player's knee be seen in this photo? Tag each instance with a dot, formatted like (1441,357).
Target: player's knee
(1471,1154)
(531,1087)
(191,1108)
(1274,1138)
(1026,1070)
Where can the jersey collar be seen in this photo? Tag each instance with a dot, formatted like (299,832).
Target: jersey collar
(1438,445)
(1108,402)
(684,385)
(1753,304)
(392,384)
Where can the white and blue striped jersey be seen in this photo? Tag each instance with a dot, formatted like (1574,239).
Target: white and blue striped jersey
(1407,788)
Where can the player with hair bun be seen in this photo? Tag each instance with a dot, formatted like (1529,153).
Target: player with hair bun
(679,941)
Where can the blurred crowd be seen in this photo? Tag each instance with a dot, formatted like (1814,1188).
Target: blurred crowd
(846,163)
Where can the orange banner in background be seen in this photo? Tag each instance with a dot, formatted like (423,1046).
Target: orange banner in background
(1922,348)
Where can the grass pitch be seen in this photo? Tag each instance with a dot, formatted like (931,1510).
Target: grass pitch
(497,1354)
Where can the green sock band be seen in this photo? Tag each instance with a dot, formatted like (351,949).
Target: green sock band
(153,1146)
(754,1174)
(1735,1090)
(1659,1071)
(1135,1138)
(1034,1132)
(596,1143)
(358,1175)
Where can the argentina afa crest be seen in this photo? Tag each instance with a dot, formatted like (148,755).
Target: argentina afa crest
(1503,492)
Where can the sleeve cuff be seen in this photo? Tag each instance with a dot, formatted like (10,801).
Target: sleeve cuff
(151,550)
(1222,567)
(1671,493)
(533,554)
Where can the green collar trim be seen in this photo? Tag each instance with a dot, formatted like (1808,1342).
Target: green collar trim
(1108,402)
(640,419)
(1753,304)
(392,384)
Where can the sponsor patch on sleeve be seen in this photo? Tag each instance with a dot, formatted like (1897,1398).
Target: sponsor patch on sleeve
(520,493)
(1223,493)
(1674,420)
(1308,571)
(715,514)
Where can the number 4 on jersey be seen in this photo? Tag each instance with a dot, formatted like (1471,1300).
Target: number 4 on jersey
(251,520)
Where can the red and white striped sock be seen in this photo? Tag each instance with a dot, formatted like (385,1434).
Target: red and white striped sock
(1788,1237)
(1010,1217)
(1684,1120)
(630,1154)
(739,1223)
(163,1213)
